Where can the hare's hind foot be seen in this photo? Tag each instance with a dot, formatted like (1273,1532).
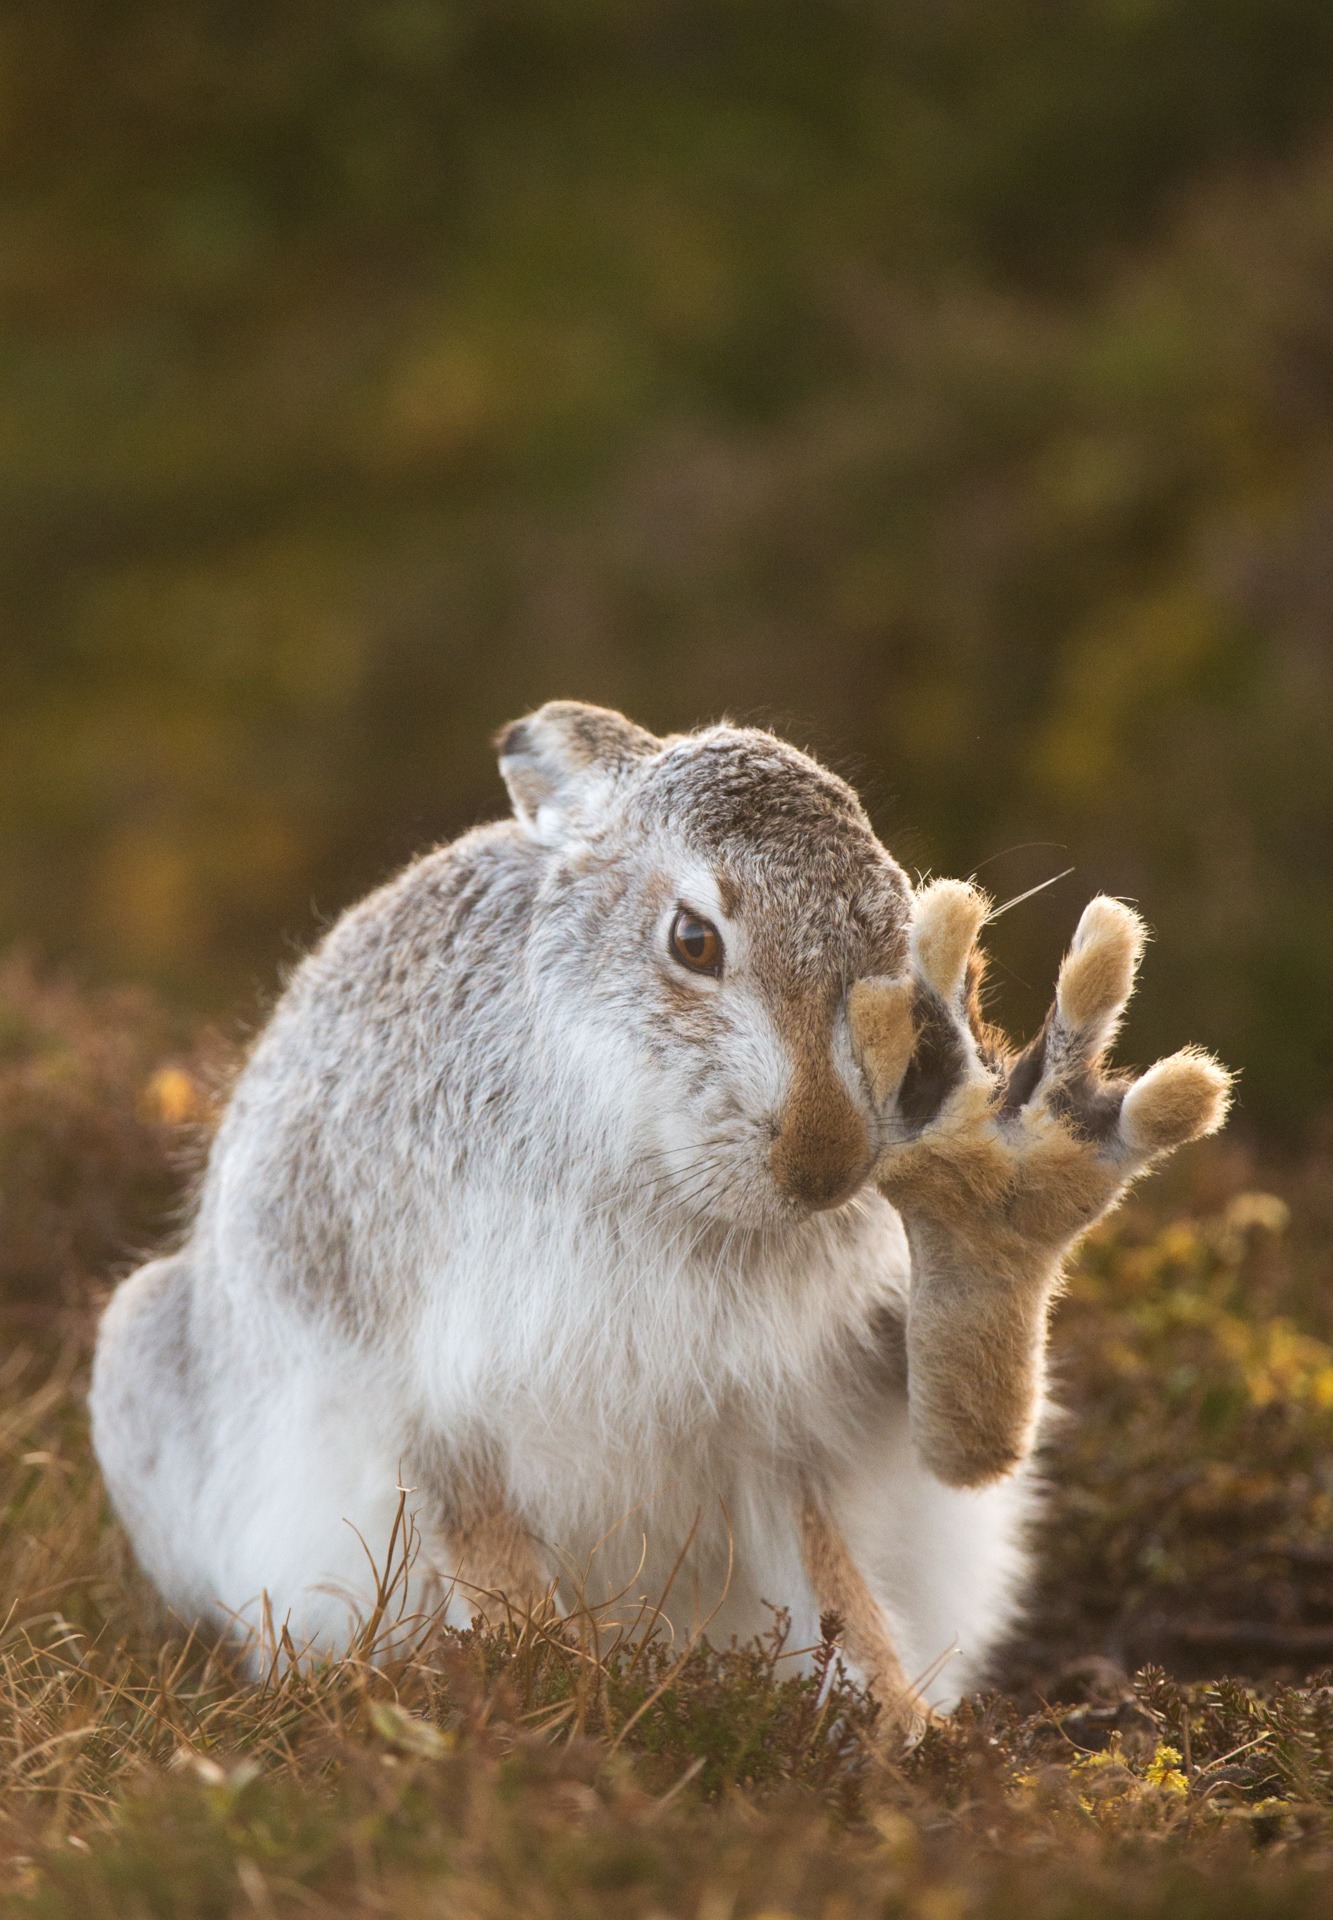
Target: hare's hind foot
(998,1159)
(145,1406)
(1032,1143)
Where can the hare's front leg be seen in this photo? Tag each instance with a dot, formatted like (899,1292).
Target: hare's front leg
(485,1556)
(840,1588)
(997,1161)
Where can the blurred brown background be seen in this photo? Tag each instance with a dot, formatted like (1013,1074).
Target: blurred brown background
(949,384)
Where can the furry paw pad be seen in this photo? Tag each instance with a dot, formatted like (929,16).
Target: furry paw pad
(883,1032)
(945,925)
(1181,1098)
(1097,976)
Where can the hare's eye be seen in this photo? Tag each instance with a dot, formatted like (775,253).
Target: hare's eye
(696,943)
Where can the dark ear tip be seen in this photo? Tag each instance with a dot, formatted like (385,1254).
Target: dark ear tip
(512,739)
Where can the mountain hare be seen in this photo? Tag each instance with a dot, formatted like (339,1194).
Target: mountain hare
(636,1183)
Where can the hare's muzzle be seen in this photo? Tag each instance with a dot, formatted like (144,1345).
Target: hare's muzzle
(822,1149)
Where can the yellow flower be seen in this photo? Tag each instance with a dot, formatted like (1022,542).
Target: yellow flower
(1163,1770)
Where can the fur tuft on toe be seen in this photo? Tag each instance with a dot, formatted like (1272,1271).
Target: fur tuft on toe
(880,1013)
(1181,1098)
(1097,975)
(946,920)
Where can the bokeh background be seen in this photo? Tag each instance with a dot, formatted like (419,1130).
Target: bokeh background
(948,383)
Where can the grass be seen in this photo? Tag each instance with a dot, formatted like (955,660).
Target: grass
(1159,1742)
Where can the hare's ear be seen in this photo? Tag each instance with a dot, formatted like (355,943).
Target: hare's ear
(557,760)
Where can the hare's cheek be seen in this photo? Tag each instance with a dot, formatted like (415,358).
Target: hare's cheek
(751,1062)
(688,1004)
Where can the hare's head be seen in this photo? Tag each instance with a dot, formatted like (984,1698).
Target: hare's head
(709,903)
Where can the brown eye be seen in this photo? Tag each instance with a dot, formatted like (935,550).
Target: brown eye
(696,943)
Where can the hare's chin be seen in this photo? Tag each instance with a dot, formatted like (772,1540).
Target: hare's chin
(766,1210)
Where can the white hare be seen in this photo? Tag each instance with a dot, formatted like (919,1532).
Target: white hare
(632,1173)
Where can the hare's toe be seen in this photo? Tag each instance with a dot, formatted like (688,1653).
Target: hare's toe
(945,923)
(1097,976)
(903,1723)
(883,1032)
(1181,1098)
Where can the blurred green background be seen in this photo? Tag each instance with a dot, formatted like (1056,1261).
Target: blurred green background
(948,384)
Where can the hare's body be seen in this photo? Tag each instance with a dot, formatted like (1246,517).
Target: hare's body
(413,1251)
(555,1194)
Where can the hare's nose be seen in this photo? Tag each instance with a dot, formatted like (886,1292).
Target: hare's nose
(822,1149)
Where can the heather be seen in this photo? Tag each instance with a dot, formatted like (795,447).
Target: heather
(1159,1738)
